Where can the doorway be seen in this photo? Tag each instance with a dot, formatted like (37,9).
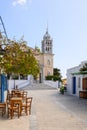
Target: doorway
(74,85)
(84,83)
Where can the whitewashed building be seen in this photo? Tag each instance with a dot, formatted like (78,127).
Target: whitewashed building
(76,80)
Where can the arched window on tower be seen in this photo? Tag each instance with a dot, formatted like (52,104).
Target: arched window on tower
(48,62)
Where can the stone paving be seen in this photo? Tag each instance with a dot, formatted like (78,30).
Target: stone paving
(53,111)
(50,111)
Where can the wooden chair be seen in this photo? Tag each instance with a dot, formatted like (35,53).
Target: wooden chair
(13,107)
(3,108)
(26,105)
(9,96)
(24,94)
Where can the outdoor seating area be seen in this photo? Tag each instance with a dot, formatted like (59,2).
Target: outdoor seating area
(17,104)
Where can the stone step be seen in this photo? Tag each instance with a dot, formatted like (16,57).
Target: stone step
(38,86)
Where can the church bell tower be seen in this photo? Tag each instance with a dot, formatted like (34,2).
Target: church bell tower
(47,46)
(46,60)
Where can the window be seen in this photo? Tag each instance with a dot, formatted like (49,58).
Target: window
(48,73)
(48,62)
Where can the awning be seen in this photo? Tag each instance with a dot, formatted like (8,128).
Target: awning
(79,73)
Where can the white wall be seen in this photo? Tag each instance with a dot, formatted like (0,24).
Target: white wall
(70,76)
(20,83)
(69,79)
(51,83)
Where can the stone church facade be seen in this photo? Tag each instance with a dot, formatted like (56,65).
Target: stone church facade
(45,58)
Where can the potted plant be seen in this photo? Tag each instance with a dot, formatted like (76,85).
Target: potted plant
(62,89)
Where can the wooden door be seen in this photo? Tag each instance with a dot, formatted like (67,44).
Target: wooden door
(84,84)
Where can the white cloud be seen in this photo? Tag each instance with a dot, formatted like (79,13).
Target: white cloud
(20,2)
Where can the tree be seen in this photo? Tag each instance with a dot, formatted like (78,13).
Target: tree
(57,74)
(19,59)
(84,68)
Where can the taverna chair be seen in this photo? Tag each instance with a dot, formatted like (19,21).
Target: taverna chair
(26,105)
(3,108)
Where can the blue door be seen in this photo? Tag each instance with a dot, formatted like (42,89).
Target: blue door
(4,82)
(74,85)
(3,86)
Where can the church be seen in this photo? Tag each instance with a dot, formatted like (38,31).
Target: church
(45,58)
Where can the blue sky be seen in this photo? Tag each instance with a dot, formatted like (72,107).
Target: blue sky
(67,25)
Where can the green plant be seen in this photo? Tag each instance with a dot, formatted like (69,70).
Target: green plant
(62,89)
(49,77)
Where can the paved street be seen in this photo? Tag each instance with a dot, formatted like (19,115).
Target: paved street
(50,111)
(53,111)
